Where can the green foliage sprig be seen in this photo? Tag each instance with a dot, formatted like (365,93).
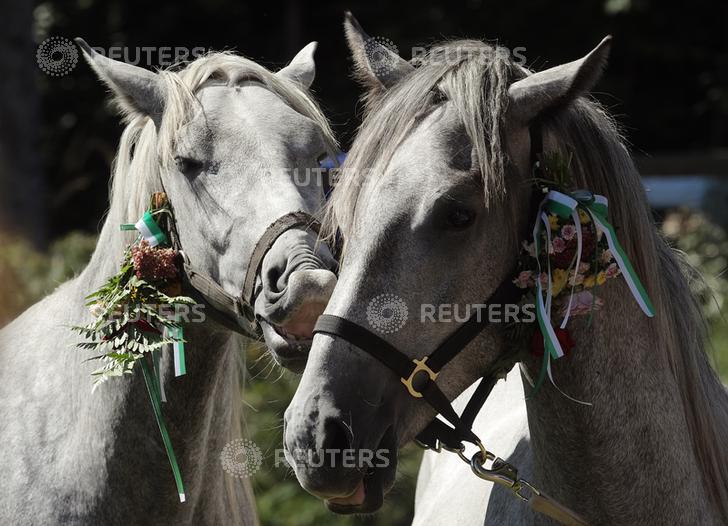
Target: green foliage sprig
(134,306)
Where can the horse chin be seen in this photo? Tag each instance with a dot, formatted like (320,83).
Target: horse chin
(369,495)
(288,351)
(367,498)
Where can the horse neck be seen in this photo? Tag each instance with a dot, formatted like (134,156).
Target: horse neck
(616,460)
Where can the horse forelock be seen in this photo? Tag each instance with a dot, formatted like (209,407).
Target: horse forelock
(474,76)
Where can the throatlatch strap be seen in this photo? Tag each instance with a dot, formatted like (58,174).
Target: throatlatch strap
(506,293)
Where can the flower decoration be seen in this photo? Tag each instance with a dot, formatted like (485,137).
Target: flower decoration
(134,311)
(596,266)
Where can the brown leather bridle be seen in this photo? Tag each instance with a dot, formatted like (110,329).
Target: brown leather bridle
(237,313)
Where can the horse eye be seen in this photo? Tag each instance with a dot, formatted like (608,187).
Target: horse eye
(460,218)
(187,165)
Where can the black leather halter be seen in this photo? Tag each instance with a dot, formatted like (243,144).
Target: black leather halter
(419,375)
(237,312)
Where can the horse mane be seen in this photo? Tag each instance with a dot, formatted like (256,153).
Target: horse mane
(145,153)
(601,162)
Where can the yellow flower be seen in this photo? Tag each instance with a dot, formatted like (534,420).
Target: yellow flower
(554,222)
(601,278)
(589,281)
(559,277)
(584,218)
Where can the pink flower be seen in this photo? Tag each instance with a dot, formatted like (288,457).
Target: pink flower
(544,279)
(607,256)
(612,271)
(154,263)
(568,232)
(584,267)
(582,303)
(558,244)
(524,279)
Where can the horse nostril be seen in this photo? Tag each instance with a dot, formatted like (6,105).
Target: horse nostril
(337,435)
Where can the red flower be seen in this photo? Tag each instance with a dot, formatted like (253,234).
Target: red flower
(588,244)
(537,343)
(152,263)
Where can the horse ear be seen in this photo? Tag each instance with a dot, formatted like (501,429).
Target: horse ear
(302,68)
(376,66)
(537,93)
(137,90)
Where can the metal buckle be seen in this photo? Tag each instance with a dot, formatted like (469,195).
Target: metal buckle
(420,366)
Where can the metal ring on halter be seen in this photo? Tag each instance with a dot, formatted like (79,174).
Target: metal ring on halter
(460,451)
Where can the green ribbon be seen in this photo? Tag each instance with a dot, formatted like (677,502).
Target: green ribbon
(154,395)
(149,230)
(152,233)
(177,333)
(565,205)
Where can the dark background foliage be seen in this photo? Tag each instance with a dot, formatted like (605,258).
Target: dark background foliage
(667,80)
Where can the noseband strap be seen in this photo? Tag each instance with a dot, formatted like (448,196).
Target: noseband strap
(237,312)
(419,375)
(275,230)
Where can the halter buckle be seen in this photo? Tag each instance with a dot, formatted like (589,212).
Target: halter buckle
(420,366)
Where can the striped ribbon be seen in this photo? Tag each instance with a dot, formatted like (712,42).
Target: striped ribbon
(564,206)
(149,229)
(178,346)
(154,395)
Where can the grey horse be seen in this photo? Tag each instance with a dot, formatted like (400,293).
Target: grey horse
(222,137)
(432,202)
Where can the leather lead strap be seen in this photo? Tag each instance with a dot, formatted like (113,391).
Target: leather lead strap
(542,503)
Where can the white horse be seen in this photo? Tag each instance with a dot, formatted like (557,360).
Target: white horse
(221,137)
(433,202)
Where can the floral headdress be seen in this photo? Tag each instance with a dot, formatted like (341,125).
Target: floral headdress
(573,251)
